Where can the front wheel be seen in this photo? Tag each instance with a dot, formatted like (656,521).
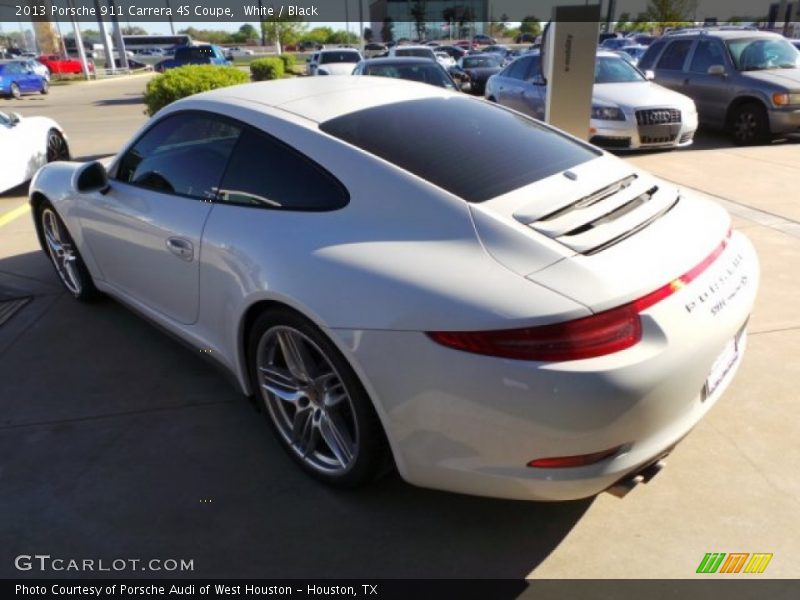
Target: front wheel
(750,124)
(319,410)
(14,91)
(45,87)
(64,255)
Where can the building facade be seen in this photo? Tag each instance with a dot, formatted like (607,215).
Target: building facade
(444,19)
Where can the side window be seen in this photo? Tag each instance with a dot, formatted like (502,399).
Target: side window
(183,154)
(675,55)
(265,172)
(518,69)
(706,54)
(649,57)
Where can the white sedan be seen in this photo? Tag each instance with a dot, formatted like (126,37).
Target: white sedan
(629,112)
(538,320)
(26,143)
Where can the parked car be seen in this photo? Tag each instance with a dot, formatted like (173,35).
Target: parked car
(479,68)
(411,68)
(333,62)
(306,46)
(237,52)
(537,320)
(506,53)
(526,38)
(31,64)
(642,39)
(152,52)
(616,43)
(61,65)
(16,79)
(375,48)
(745,82)
(483,39)
(202,54)
(444,59)
(455,52)
(417,51)
(466,44)
(628,111)
(634,52)
(27,143)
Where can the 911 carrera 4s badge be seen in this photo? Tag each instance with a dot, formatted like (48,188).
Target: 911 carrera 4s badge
(722,290)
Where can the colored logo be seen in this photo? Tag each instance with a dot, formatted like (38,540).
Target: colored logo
(735,562)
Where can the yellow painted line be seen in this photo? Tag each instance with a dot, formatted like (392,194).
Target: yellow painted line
(6,218)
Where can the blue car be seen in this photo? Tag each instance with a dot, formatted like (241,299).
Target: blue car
(16,79)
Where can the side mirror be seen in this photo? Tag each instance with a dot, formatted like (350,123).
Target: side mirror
(91,177)
(649,75)
(716,70)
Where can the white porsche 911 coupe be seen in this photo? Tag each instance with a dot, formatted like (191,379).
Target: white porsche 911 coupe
(539,320)
(25,145)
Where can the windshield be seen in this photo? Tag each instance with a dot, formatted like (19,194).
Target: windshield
(473,149)
(477,62)
(760,54)
(340,57)
(613,69)
(420,52)
(430,73)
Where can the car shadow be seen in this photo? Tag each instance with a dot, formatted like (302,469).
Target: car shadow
(138,99)
(127,444)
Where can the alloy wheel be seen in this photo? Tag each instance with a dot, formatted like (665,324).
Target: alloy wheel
(745,126)
(15,93)
(61,251)
(56,147)
(307,400)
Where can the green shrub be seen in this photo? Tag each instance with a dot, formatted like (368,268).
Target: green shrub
(288,62)
(185,81)
(263,69)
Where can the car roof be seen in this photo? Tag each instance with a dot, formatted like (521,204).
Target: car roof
(319,99)
(414,47)
(399,60)
(724,34)
(326,50)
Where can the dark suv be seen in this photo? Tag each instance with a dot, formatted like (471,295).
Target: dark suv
(746,82)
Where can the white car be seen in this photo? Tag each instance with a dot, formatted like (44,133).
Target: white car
(27,143)
(336,61)
(538,320)
(629,112)
(415,51)
(238,52)
(444,59)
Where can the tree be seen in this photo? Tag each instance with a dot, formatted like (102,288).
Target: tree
(282,31)
(530,24)
(387,31)
(134,30)
(318,35)
(669,11)
(368,34)
(247,34)
(343,37)
(418,14)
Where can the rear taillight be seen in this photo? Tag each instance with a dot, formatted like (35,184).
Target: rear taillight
(596,335)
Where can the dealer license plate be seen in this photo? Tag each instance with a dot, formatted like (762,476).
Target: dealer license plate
(722,365)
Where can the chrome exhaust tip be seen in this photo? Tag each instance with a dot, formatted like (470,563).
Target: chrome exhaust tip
(625,485)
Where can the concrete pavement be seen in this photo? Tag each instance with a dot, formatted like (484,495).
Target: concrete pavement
(118,442)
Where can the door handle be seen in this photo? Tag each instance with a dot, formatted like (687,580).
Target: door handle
(181,248)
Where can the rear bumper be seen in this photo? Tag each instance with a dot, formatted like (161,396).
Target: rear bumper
(468,423)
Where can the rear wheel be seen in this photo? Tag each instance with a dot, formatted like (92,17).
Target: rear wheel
(57,148)
(749,124)
(64,255)
(319,410)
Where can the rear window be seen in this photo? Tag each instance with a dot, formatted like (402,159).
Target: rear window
(472,149)
(340,57)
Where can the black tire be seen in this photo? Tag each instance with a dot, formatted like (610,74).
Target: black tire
(370,457)
(74,276)
(749,124)
(57,148)
(14,91)
(45,87)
